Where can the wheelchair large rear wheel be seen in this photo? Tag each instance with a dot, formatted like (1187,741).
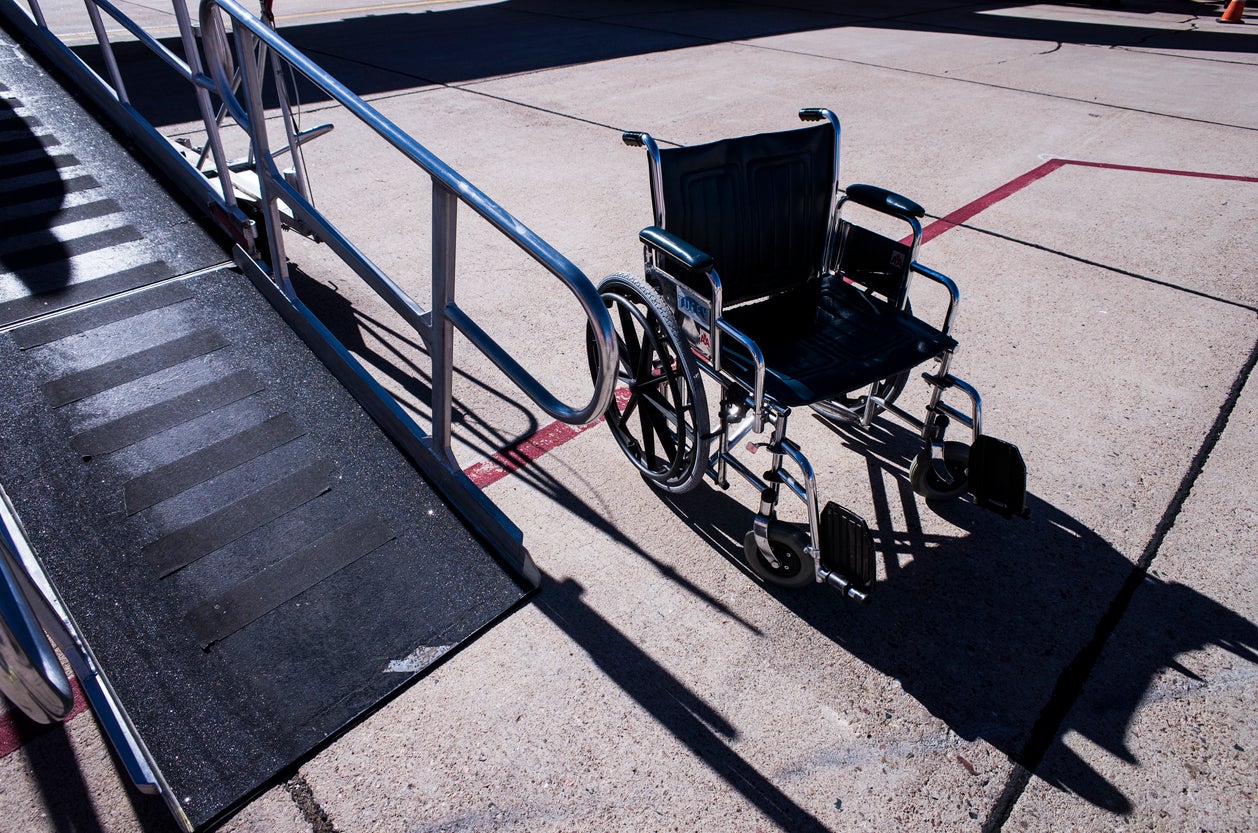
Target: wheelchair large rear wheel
(659,415)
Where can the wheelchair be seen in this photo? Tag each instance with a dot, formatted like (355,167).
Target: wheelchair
(807,309)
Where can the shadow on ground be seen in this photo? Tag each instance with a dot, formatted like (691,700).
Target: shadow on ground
(990,629)
(381,53)
(31,197)
(993,628)
(67,802)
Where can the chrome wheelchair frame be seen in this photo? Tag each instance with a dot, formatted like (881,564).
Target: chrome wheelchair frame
(682,322)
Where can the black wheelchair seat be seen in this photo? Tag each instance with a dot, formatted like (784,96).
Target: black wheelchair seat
(827,338)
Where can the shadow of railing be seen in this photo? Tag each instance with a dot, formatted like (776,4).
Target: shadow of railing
(67,800)
(688,717)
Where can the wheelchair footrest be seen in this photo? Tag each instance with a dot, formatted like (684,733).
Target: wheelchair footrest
(998,477)
(847,551)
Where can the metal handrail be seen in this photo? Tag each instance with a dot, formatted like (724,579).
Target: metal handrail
(449,188)
(257,43)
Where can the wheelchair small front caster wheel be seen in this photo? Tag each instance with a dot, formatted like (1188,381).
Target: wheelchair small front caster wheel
(930,484)
(789,543)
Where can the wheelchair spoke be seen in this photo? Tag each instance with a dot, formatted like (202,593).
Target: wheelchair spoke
(629,343)
(661,423)
(648,440)
(663,431)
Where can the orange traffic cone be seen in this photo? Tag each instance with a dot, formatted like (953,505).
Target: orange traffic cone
(1233,12)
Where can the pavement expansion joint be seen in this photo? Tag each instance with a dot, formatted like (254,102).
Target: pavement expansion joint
(303,796)
(1070,684)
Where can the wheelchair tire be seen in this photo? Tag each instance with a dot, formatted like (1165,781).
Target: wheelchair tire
(659,415)
(789,543)
(927,482)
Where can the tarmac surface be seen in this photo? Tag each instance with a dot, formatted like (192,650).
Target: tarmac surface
(1091,175)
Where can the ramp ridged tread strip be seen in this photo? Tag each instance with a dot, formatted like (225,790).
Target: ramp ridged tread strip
(14,169)
(52,329)
(258,595)
(169,480)
(55,188)
(123,431)
(18,144)
(54,215)
(85,383)
(59,250)
(56,298)
(178,549)
(36,209)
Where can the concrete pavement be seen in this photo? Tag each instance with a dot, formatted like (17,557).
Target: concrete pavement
(1091,668)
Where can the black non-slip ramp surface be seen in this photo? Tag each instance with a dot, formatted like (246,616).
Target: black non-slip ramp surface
(80,219)
(252,560)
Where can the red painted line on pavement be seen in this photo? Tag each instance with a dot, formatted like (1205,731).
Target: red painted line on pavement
(16,729)
(986,201)
(1166,171)
(520,454)
(1012,187)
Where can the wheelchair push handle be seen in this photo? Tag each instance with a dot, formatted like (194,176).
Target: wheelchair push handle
(812,114)
(633,139)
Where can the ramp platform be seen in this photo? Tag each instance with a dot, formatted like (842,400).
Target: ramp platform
(251,561)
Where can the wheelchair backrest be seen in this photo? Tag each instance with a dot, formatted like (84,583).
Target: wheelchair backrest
(759,205)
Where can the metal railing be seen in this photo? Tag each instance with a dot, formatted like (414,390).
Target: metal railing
(237,77)
(449,188)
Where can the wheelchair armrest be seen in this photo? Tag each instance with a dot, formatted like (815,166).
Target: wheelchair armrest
(880,199)
(676,248)
(954,294)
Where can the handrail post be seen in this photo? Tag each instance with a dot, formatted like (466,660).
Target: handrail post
(445,206)
(107,52)
(37,13)
(213,139)
(251,65)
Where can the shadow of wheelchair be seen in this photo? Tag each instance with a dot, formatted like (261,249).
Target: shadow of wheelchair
(995,630)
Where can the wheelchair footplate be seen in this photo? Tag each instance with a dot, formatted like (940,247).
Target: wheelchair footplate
(997,477)
(847,551)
